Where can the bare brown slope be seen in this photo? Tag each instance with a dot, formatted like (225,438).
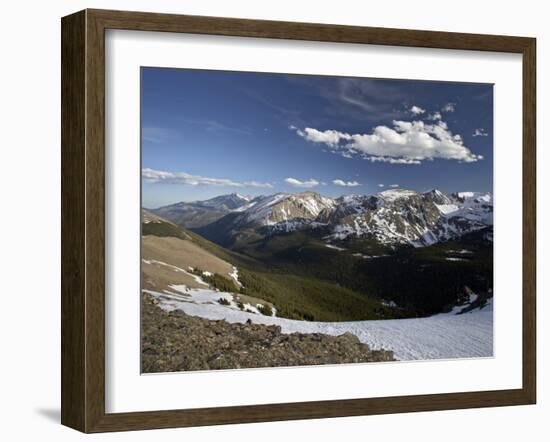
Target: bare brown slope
(167,260)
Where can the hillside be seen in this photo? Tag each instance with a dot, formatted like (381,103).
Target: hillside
(189,257)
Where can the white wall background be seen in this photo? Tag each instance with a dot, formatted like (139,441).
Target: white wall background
(30,216)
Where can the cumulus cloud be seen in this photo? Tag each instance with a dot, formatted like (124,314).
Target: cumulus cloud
(392,160)
(381,185)
(480,132)
(183,178)
(394,185)
(344,183)
(416,110)
(449,107)
(305,184)
(407,142)
(328,137)
(435,116)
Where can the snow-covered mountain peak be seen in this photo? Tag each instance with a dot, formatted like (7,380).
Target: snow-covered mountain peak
(473,197)
(285,207)
(395,194)
(437,197)
(408,217)
(473,206)
(242,197)
(230,201)
(312,202)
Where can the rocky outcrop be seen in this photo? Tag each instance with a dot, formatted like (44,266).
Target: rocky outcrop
(174,341)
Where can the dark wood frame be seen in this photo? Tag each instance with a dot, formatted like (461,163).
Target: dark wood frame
(83,217)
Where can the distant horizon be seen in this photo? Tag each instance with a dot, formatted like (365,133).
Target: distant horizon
(244,195)
(211,133)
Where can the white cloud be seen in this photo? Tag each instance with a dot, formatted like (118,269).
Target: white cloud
(392,160)
(416,110)
(159,176)
(158,134)
(329,137)
(435,116)
(381,185)
(449,107)
(480,132)
(254,183)
(215,126)
(394,185)
(344,183)
(306,184)
(407,142)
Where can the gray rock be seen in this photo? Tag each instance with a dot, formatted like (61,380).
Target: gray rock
(174,341)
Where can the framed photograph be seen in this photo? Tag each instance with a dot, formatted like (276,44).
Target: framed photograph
(266,221)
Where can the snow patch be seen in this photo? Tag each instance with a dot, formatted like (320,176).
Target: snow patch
(461,252)
(447,209)
(235,276)
(389,303)
(362,255)
(332,246)
(197,278)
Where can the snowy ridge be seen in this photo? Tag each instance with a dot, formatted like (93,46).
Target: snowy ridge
(393,217)
(284,211)
(233,201)
(395,194)
(263,207)
(148,217)
(473,206)
(400,216)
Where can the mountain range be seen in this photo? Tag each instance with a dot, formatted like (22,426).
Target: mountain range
(396,217)
(397,253)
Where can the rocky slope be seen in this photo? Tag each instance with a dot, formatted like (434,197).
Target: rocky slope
(174,341)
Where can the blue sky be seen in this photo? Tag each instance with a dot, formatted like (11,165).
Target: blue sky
(206,133)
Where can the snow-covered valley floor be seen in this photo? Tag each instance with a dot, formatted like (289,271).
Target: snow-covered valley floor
(442,336)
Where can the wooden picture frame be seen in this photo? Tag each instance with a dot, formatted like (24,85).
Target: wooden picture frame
(83,220)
